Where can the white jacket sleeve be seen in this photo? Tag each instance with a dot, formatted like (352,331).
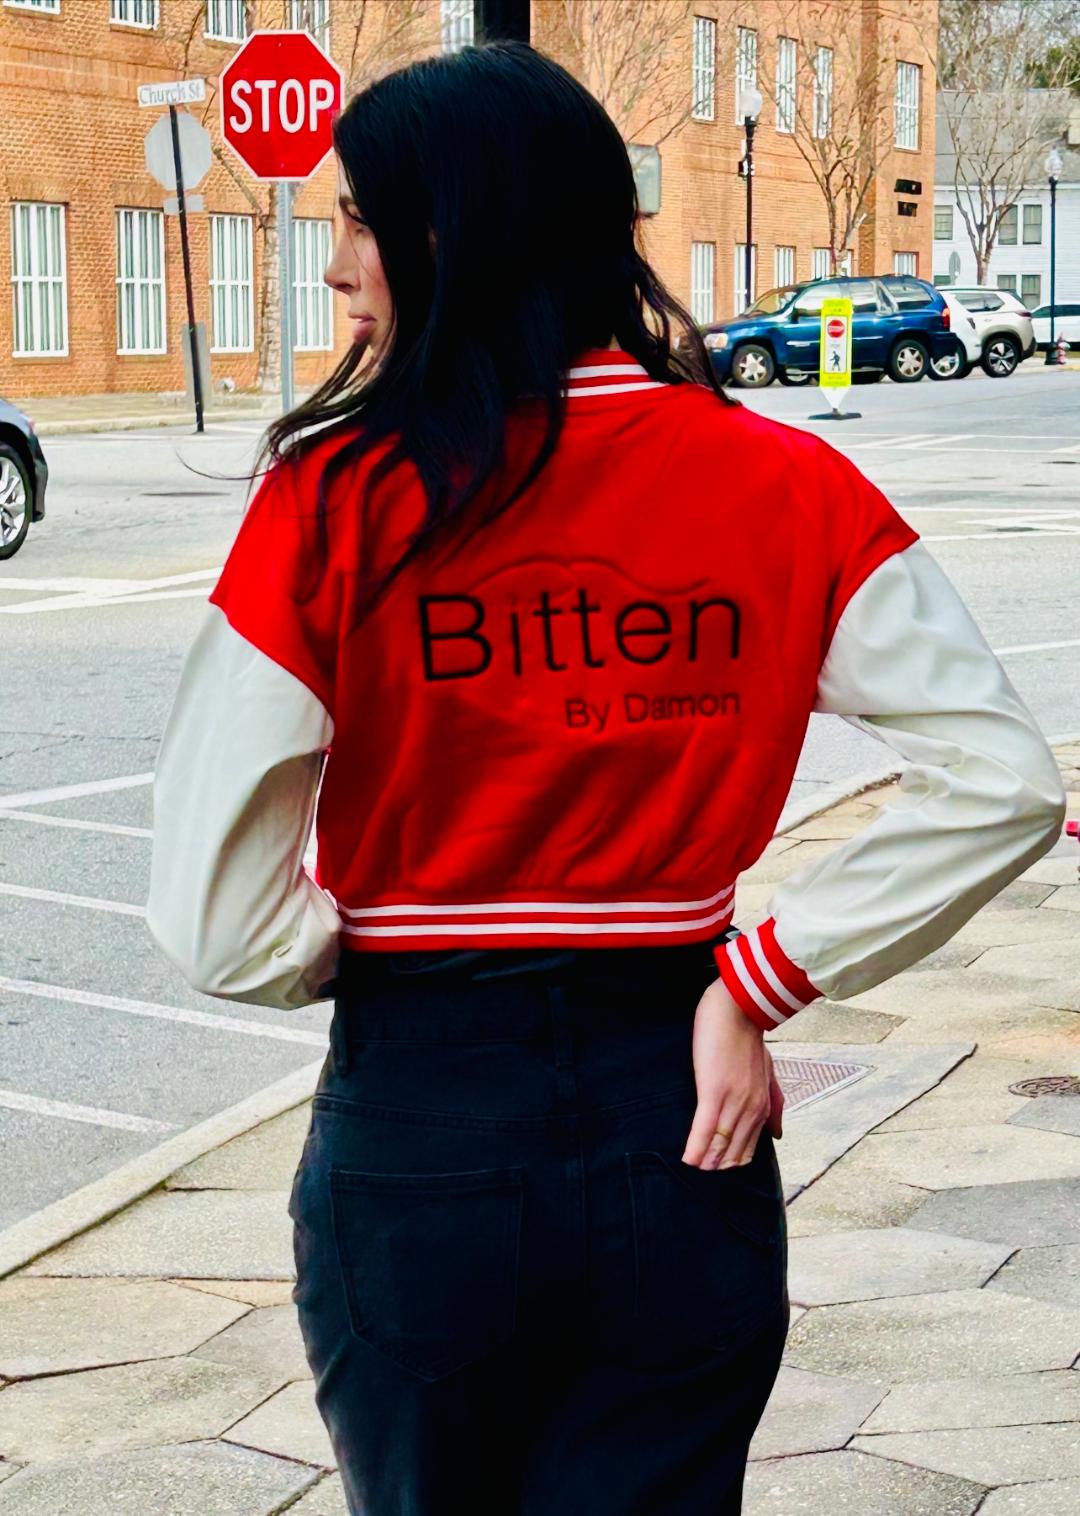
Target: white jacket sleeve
(982,800)
(234,796)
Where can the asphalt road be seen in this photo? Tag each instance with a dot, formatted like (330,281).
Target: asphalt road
(104,1051)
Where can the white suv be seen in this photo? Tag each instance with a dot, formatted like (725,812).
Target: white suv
(968,350)
(1004,326)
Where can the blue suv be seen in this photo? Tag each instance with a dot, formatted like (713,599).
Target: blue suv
(899,324)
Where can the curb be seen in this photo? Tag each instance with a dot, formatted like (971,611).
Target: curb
(154,421)
(94,1203)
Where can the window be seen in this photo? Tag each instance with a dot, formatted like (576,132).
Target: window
(823,74)
(785,84)
(39,279)
(1007,228)
(1031,288)
(907,104)
(980,300)
(313,325)
(863,294)
(810,301)
(458,24)
(702,281)
(943,215)
(704,107)
(745,66)
(908,293)
(134,12)
(905,263)
(140,282)
(1032,223)
(35,5)
(784,266)
(744,298)
(231,293)
(1007,282)
(820,263)
(226,20)
(311,16)
(844,264)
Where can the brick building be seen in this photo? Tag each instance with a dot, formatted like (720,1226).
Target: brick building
(95,268)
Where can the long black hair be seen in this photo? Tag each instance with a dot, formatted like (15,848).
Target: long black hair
(502,201)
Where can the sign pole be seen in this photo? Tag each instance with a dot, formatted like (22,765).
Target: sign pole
(285,281)
(193,340)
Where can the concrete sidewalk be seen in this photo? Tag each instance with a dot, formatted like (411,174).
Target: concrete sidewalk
(153,1364)
(62,415)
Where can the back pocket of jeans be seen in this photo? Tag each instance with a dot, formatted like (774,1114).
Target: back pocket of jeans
(430,1262)
(710,1251)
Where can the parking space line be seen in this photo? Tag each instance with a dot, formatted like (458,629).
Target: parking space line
(86,902)
(1035,647)
(1039,535)
(93,602)
(76,826)
(75,791)
(93,1115)
(62,993)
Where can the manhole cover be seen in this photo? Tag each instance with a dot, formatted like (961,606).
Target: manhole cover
(805,1079)
(1047,1084)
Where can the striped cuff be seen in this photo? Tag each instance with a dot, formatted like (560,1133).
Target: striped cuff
(762,978)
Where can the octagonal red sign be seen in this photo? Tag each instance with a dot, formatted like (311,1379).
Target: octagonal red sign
(279,97)
(835,327)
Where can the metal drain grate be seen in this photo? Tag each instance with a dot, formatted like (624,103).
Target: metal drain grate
(805,1079)
(1047,1084)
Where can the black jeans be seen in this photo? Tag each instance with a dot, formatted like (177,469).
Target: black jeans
(515,1298)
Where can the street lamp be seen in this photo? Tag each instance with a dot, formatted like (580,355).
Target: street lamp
(1053,165)
(749,110)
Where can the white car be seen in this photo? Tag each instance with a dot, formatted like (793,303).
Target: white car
(1004,325)
(960,362)
(1066,324)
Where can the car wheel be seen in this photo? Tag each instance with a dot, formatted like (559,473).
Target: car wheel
(868,376)
(949,366)
(15,496)
(1001,356)
(908,361)
(794,377)
(752,367)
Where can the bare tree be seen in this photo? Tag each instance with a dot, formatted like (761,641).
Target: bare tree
(998,126)
(839,111)
(635,58)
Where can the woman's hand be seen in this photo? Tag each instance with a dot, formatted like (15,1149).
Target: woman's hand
(736,1088)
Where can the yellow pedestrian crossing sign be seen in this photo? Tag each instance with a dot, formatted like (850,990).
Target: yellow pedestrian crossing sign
(835,363)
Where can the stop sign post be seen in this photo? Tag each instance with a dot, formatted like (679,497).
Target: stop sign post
(834,373)
(279,96)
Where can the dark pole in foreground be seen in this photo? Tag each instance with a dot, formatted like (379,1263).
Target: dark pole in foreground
(196,374)
(1051,350)
(749,123)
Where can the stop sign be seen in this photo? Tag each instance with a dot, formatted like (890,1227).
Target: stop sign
(835,327)
(279,97)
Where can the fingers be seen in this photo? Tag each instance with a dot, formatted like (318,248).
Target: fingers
(725,1136)
(776,1099)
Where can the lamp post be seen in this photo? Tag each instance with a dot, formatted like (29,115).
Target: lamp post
(1053,165)
(749,110)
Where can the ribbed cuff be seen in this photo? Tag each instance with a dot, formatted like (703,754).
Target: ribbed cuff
(760,976)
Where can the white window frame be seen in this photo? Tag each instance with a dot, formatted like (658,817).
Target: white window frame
(943,210)
(457,20)
(39,266)
(313,312)
(786,66)
(823,92)
(1031,209)
(746,40)
(313,17)
(703,282)
(147,286)
(43,7)
(821,263)
(739,280)
(906,263)
(704,69)
(133,12)
(232,283)
(908,89)
(220,14)
(783,266)
(844,269)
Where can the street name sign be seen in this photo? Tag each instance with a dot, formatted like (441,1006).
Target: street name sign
(180,92)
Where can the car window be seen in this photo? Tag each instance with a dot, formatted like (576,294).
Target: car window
(1044,310)
(810,301)
(980,300)
(774,300)
(909,293)
(862,293)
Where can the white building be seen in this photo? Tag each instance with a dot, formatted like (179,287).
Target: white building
(1021,258)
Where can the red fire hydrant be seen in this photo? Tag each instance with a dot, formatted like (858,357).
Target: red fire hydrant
(1072,829)
(1061,347)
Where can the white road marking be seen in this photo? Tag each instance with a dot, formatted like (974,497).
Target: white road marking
(147,1008)
(76,826)
(1035,647)
(87,902)
(1036,536)
(94,602)
(936,441)
(74,586)
(93,1115)
(75,791)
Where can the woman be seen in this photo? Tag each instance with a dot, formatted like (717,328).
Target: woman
(558,613)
